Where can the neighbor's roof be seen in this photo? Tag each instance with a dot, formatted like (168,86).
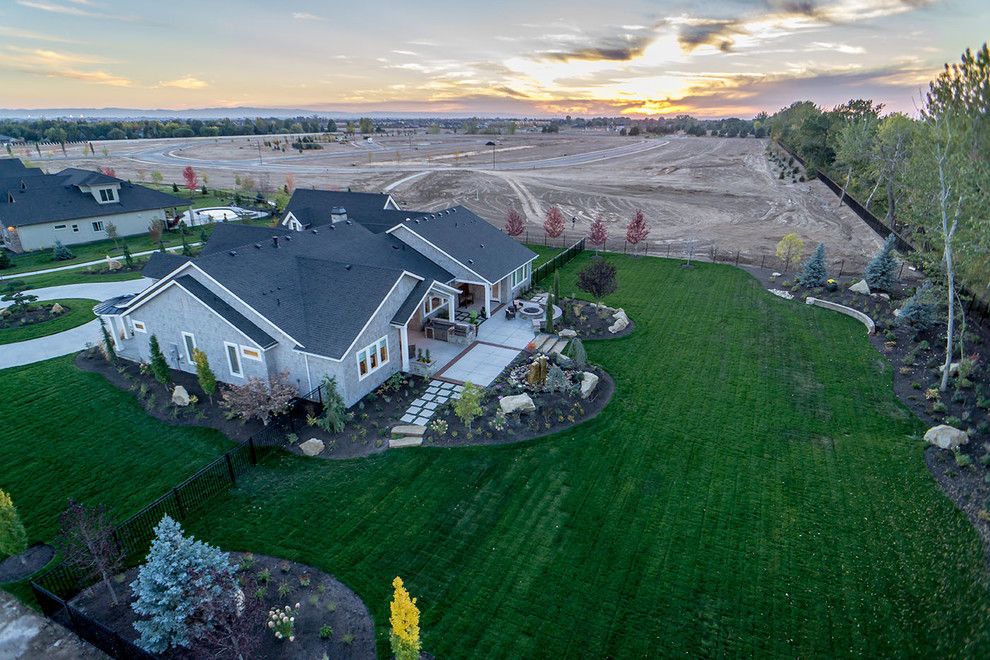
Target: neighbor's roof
(473,241)
(56,197)
(321,287)
(112,305)
(221,307)
(161,264)
(312,207)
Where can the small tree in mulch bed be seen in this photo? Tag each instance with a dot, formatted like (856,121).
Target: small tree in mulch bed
(159,367)
(257,400)
(882,269)
(548,315)
(334,417)
(404,636)
(204,373)
(578,354)
(174,588)
(14,294)
(13,537)
(598,279)
(789,249)
(88,544)
(128,259)
(921,311)
(469,405)
(238,624)
(107,347)
(813,272)
(61,253)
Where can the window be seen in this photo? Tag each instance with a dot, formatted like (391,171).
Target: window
(250,353)
(432,304)
(138,326)
(75,228)
(59,227)
(519,275)
(371,358)
(107,195)
(233,359)
(98,225)
(190,343)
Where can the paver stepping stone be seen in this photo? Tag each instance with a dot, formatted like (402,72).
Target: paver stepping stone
(409,429)
(408,441)
(432,405)
(422,420)
(408,418)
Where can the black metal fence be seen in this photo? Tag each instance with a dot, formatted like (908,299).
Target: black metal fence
(57,586)
(558,260)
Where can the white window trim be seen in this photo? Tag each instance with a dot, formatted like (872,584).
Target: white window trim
(60,227)
(230,367)
(185,346)
(98,225)
(376,346)
(134,326)
(518,276)
(256,357)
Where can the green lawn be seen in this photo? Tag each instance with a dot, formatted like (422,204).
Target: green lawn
(67,433)
(546,253)
(754,489)
(80,310)
(75,276)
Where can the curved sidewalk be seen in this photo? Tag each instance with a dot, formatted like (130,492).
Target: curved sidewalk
(75,339)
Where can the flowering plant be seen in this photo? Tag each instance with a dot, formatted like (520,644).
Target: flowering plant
(282,622)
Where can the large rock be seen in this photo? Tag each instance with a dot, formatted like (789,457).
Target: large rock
(944,436)
(312,447)
(621,323)
(953,369)
(516,403)
(567,333)
(180,396)
(861,287)
(589,382)
(57,309)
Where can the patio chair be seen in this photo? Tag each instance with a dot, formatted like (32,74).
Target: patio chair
(510,312)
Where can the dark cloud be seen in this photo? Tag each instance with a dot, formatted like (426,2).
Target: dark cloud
(621,48)
(718,33)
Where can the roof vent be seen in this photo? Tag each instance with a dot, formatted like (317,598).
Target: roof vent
(395,247)
(233,253)
(349,222)
(337,214)
(257,246)
(315,232)
(347,266)
(10,197)
(24,185)
(274,241)
(470,261)
(482,246)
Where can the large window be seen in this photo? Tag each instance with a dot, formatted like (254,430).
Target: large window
(371,358)
(190,343)
(519,275)
(233,359)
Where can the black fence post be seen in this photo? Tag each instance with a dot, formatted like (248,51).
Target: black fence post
(763,262)
(737,257)
(900,272)
(230,469)
(178,502)
(254,454)
(842,265)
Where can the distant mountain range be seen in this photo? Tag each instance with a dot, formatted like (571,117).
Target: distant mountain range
(219,113)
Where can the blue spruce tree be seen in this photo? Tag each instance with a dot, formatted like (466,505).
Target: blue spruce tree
(181,575)
(921,311)
(813,272)
(882,269)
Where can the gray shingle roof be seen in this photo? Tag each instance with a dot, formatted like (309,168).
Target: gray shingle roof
(112,305)
(226,236)
(221,307)
(312,207)
(160,264)
(56,197)
(14,167)
(473,241)
(320,288)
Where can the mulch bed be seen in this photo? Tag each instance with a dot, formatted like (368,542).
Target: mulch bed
(590,322)
(916,358)
(367,434)
(324,601)
(20,567)
(555,412)
(36,313)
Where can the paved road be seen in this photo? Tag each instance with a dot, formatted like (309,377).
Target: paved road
(168,155)
(70,341)
(17,276)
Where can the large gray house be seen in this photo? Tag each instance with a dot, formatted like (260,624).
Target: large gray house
(73,206)
(348,298)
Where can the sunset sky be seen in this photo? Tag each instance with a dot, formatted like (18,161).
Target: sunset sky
(515,57)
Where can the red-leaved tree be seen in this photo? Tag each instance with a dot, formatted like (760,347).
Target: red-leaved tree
(637,230)
(554,223)
(514,223)
(191,178)
(598,232)
(256,399)
(108,171)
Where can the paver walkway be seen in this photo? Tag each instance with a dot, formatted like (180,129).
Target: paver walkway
(75,339)
(437,393)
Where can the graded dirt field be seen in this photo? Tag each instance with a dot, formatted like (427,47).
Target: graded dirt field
(698,193)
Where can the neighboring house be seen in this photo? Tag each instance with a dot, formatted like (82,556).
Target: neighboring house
(73,206)
(8,141)
(343,300)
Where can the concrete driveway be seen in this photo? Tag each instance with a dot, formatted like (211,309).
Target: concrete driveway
(70,341)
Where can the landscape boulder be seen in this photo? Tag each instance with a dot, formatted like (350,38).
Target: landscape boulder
(861,287)
(568,333)
(516,403)
(312,447)
(944,436)
(621,323)
(57,309)
(953,369)
(180,396)
(589,382)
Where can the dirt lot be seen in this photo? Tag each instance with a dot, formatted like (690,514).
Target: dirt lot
(696,192)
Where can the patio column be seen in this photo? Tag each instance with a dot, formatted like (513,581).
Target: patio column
(451,304)
(488,300)
(404,341)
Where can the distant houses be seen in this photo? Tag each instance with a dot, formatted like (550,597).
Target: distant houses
(73,206)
